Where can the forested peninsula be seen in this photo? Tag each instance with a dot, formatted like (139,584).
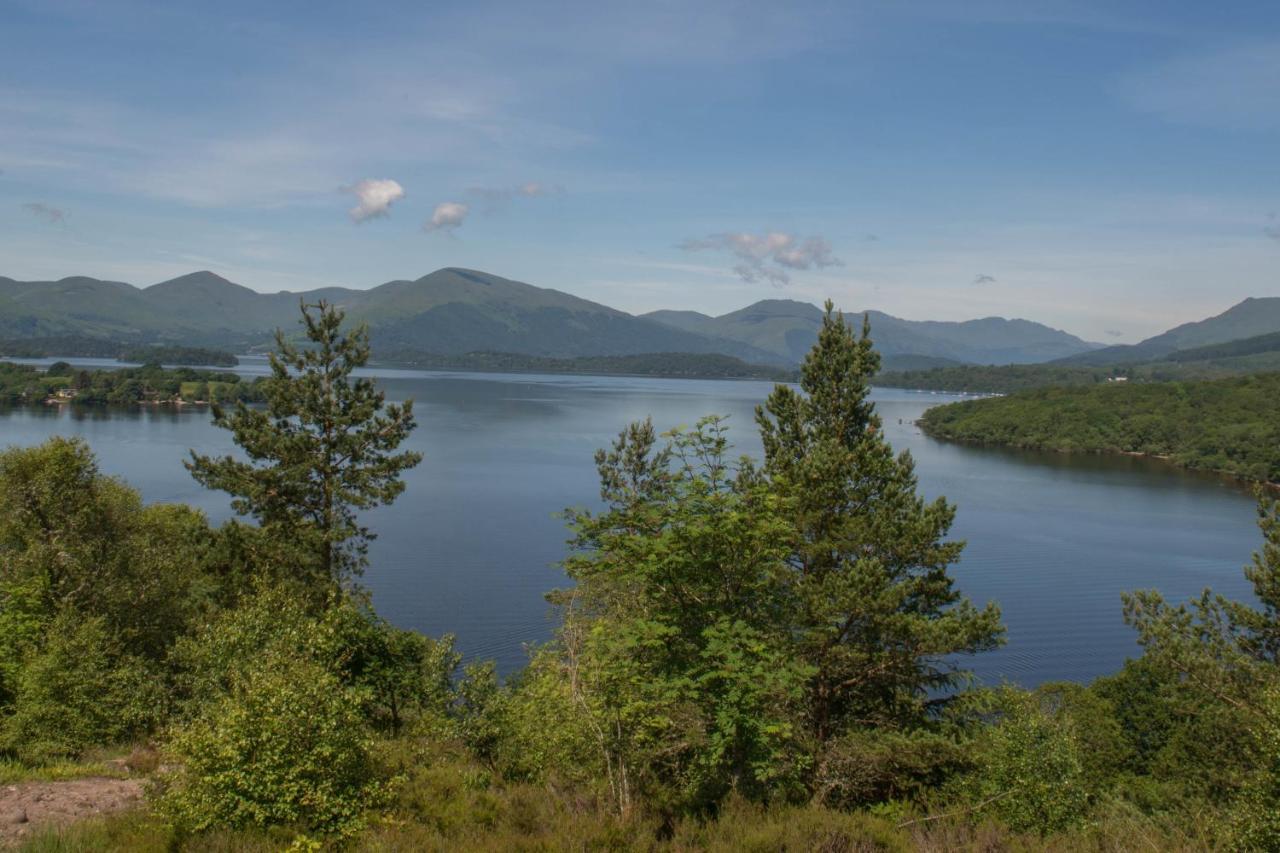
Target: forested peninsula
(61,384)
(1231,426)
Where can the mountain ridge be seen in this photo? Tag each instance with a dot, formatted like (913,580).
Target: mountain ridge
(456,310)
(1252,317)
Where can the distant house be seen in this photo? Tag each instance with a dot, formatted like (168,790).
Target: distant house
(65,394)
(1118,379)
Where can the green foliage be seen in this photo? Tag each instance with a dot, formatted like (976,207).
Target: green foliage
(73,539)
(322,448)
(877,617)
(675,636)
(877,765)
(76,690)
(1229,425)
(1254,819)
(1030,765)
(287,744)
(150,383)
(398,674)
(174,354)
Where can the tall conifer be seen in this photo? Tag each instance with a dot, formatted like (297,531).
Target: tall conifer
(322,449)
(879,619)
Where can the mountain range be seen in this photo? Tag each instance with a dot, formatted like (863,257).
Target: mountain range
(1249,319)
(454,311)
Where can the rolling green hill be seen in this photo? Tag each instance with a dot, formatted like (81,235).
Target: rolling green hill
(788,329)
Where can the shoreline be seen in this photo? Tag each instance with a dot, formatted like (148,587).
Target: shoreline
(1163,459)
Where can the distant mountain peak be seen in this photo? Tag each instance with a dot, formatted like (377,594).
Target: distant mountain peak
(199,280)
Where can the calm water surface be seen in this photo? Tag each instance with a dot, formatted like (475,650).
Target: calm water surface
(471,546)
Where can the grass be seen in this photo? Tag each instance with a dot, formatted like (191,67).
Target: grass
(445,801)
(13,772)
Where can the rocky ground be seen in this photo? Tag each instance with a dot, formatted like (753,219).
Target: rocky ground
(26,807)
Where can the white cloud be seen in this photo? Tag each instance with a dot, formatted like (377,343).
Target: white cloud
(40,210)
(374,198)
(448,215)
(767,257)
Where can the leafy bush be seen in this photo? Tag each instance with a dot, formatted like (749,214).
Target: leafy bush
(79,690)
(1030,772)
(401,673)
(872,766)
(287,745)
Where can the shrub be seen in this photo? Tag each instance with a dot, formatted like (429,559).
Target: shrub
(401,674)
(287,745)
(78,690)
(877,765)
(1030,773)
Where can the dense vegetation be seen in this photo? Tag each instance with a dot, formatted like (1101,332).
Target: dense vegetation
(1227,425)
(174,354)
(752,656)
(151,383)
(76,346)
(1238,358)
(684,365)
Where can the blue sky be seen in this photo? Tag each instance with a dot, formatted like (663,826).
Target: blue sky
(1108,168)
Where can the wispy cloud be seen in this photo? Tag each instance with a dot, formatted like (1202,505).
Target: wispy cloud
(1272,229)
(984,278)
(768,257)
(1113,333)
(447,216)
(1235,87)
(374,198)
(497,197)
(49,213)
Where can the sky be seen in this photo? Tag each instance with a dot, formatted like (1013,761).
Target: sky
(1109,168)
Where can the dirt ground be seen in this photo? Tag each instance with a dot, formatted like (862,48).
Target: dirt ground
(26,807)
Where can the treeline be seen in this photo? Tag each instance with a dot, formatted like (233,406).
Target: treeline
(996,379)
(1226,425)
(20,383)
(1237,358)
(753,655)
(77,346)
(684,365)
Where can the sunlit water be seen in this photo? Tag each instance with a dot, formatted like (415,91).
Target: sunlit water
(472,545)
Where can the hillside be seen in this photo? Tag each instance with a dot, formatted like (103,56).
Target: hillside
(1250,318)
(1258,354)
(456,311)
(450,311)
(788,329)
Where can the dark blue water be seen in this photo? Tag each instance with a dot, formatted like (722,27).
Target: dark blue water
(471,546)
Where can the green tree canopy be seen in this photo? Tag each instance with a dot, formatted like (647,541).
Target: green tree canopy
(323,448)
(879,619)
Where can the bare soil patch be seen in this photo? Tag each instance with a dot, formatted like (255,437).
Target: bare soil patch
(26,807)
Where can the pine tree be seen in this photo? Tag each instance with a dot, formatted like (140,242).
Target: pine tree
(322,449)
(879,620)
